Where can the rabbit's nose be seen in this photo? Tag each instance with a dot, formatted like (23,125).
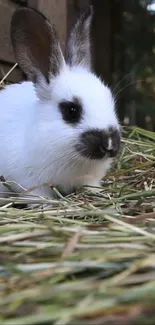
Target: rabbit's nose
(96,144)
(113,141)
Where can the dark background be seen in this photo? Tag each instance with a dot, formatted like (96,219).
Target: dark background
(124,39)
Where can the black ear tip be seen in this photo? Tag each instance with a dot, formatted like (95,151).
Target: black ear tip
(24,16)
(91,9)
(25,13)
(88,12)
(20,12)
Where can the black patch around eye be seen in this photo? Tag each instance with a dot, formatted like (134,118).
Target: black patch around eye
(71,111)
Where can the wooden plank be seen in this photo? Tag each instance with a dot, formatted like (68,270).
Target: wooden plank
(56,12)
(7,59)
(20,2)
(15,76)
(102,39)
(33,4)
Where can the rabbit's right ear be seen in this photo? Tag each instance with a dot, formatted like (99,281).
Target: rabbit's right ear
(35,45)
(78,48)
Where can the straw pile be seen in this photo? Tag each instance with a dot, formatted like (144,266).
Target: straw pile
(89,258)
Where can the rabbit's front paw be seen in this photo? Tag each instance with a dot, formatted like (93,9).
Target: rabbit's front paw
(94,187)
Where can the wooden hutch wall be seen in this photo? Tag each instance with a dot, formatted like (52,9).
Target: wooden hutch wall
(63,14)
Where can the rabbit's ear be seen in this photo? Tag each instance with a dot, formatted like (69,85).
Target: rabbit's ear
(35,45)
(78,49)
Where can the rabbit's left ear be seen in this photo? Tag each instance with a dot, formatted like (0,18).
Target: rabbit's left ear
(78,49)
(35,45)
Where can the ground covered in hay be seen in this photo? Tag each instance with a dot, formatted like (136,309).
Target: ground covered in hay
(88,259)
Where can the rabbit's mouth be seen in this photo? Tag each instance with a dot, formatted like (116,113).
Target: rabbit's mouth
(99,144)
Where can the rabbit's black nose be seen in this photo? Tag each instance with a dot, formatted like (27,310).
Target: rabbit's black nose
(96,144)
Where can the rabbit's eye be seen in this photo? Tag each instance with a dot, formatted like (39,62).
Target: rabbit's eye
(71,112)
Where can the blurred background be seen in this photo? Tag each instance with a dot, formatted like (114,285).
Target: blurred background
(123,35)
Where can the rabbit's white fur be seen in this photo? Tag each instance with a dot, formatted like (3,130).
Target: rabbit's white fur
(37,146)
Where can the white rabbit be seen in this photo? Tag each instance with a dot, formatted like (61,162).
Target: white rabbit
(61,127)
